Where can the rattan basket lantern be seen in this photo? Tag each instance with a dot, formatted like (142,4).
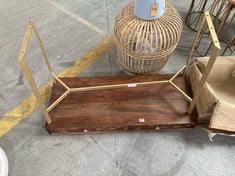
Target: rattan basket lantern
(144,46)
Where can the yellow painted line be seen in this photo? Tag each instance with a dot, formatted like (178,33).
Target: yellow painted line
(27,106)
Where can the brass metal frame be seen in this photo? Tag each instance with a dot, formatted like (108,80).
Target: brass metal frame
(26,70)
(215,51)
(223,13)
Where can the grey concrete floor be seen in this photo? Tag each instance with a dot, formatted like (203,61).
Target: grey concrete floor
(32,152)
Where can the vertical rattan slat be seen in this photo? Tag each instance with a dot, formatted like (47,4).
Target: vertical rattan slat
(144,46)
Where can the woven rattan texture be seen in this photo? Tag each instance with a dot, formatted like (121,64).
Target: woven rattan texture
(144,46)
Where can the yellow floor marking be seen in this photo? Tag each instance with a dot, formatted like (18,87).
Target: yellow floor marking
(27,106)
(78,18)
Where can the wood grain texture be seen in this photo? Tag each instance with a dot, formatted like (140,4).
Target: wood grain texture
(121,109)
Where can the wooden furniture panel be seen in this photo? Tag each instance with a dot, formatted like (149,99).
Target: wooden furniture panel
(151,107)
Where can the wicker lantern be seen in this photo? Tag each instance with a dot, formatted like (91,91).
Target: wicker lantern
(144,46)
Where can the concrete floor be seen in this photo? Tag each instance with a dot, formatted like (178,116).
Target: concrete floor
(69,29)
